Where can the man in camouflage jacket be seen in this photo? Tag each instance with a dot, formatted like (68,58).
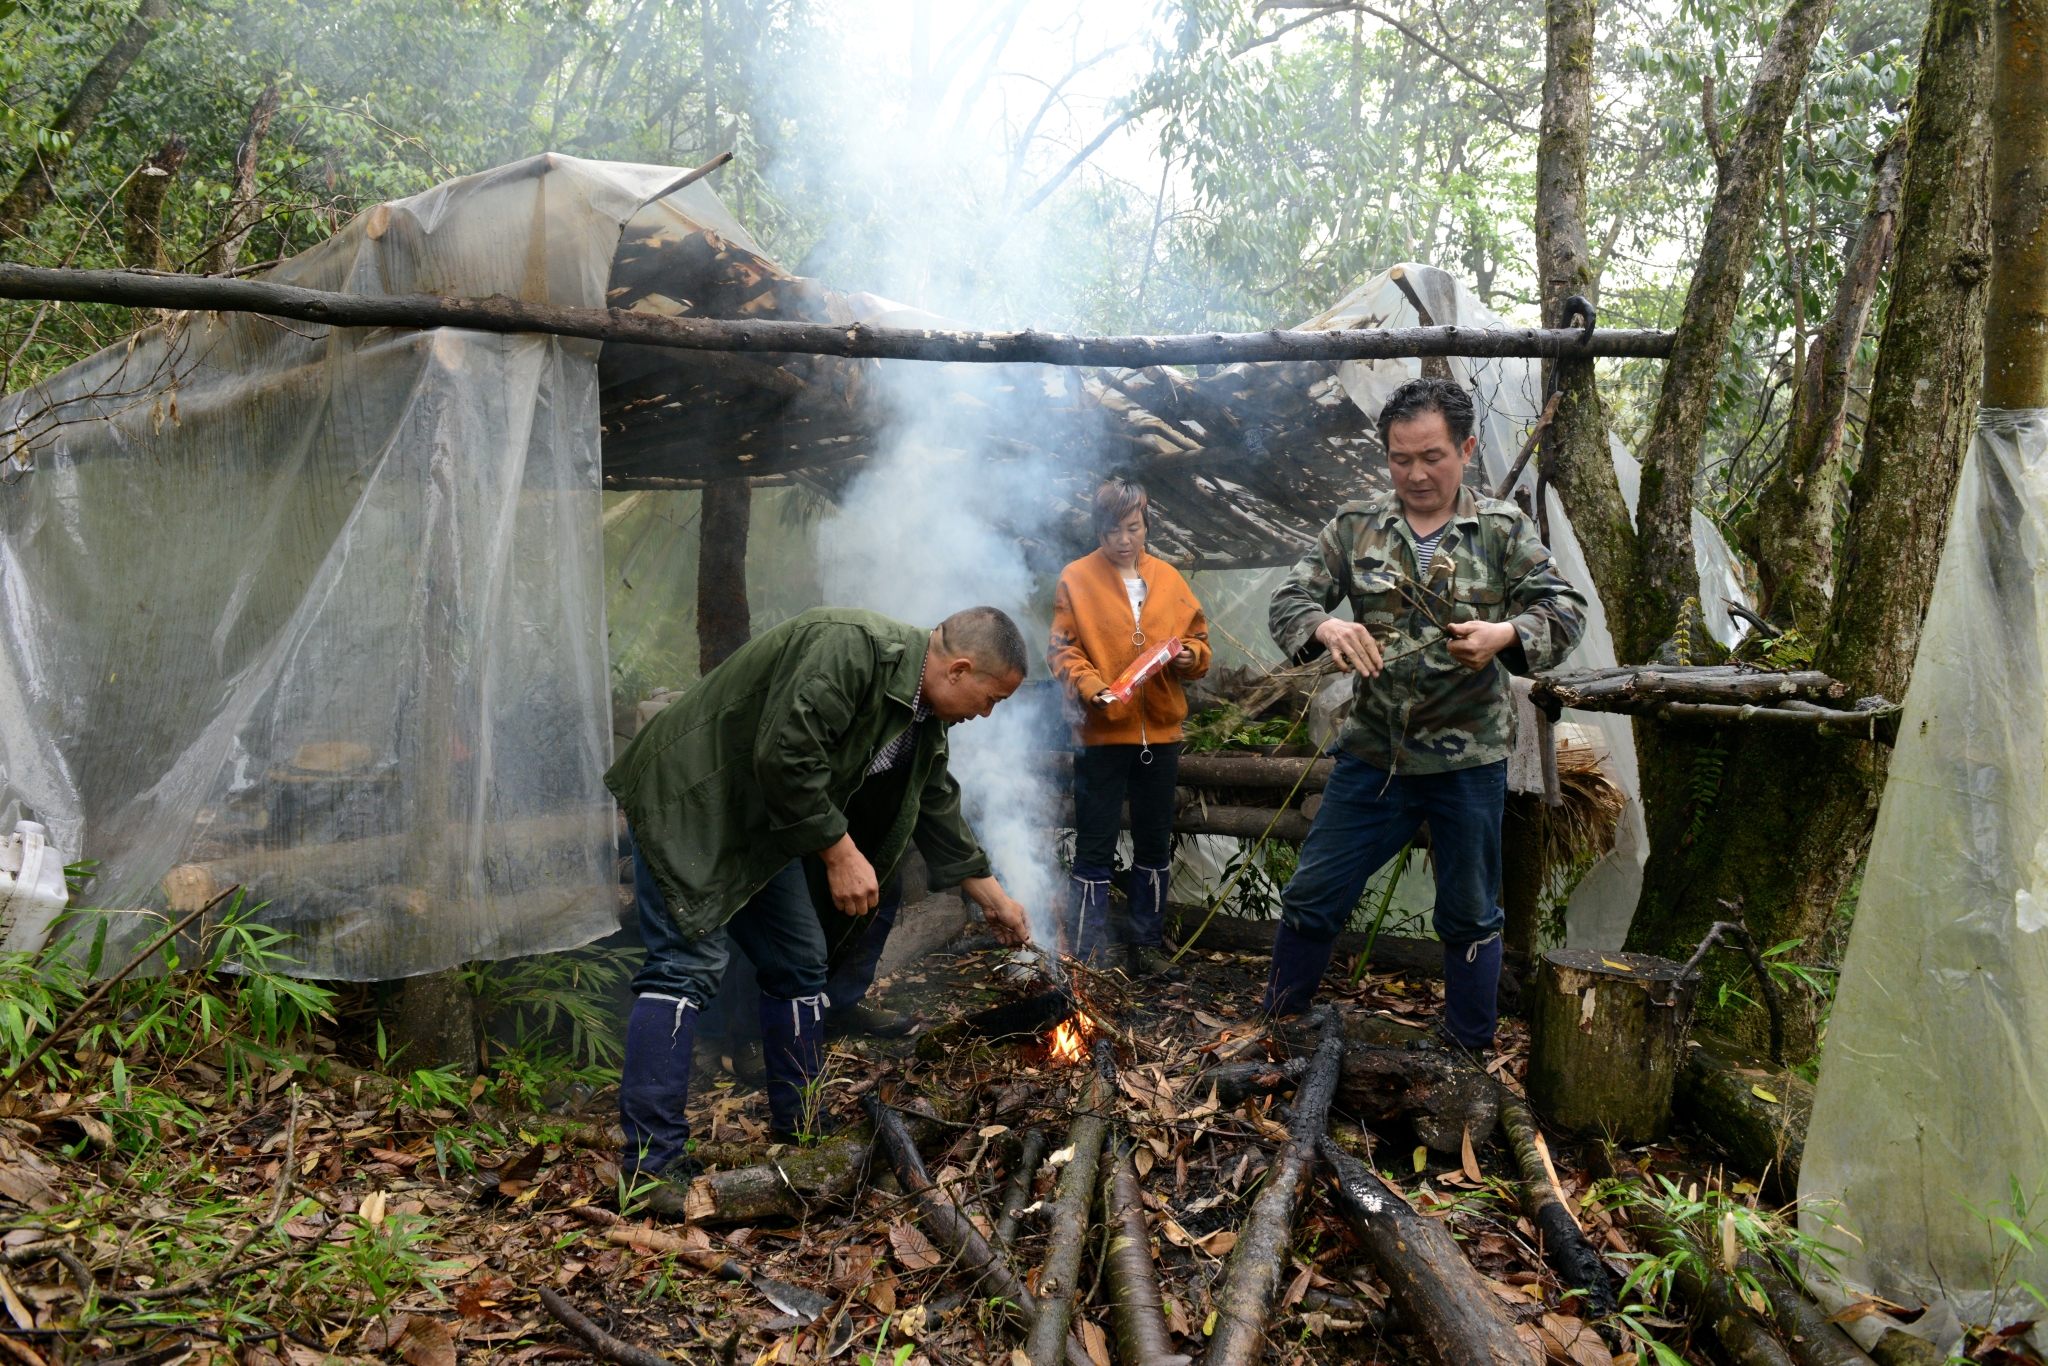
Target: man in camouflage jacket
(1450,593)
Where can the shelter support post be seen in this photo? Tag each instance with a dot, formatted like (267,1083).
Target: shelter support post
(722,621)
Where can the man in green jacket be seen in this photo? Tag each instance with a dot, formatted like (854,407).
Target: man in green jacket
(792,779)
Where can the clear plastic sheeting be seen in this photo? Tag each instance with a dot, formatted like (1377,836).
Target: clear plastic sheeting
(321,611)
(1933,1096)
(1509,395)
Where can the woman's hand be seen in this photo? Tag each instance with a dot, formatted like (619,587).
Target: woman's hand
(1185,660)
(1104,699)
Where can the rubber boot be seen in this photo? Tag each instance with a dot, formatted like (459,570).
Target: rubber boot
(1085,931)
(1298,967)
(1472,992)
(1148,924)
(793,1049)
(654,1086)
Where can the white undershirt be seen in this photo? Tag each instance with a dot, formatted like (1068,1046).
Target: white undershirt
(1136,589)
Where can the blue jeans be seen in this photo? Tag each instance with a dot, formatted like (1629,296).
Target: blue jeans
(1365,819)
(777,931)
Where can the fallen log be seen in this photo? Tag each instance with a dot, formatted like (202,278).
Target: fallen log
(1017,1193)
(499,314)
(602,1345)
(1455,1319)
(1191,816)
(1224,771)
(1754,1113)
(1029,1017)
(1060,1276)
(1390,952)
(1137,1311)
(1252,1278)
(953,1231)
(1442,1096)
(1813,1338)
(786,1187)
(1558,1236)
(1747,1339)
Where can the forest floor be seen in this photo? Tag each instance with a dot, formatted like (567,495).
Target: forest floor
(395,1222)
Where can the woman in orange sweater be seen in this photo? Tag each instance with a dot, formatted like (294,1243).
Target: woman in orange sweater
(1111,606)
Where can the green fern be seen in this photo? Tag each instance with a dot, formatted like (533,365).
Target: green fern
(1706,786)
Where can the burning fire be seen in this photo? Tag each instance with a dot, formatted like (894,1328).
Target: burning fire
(1069,1043)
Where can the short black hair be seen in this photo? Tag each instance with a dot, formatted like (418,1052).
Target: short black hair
(1116,500)
(987,636)
(1429,395)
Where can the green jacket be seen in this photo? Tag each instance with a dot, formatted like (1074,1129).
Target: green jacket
(759,762)
(1427,713)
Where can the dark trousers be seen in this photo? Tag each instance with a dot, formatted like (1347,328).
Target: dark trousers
(1365,818)
(1105,777)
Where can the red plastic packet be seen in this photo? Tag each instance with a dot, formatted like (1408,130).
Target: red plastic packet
(1142,668)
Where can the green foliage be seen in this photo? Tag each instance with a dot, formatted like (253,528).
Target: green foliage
(1226,727)
(1787,651)
(233,1007)
(1704,780)
(2021,1230)
(1716,1223)
(538,997)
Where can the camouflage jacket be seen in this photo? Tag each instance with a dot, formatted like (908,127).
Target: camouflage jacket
(1427,713)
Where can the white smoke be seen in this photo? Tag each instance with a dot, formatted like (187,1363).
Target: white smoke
(924,532)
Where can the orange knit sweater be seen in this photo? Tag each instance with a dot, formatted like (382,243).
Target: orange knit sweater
(1092,643)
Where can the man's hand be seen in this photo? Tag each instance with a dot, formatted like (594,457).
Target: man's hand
(852,878)
(1475,643)
(1003,912)
(1351,645)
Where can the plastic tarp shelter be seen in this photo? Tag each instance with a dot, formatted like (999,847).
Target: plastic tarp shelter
(320,611)
(1933,1099)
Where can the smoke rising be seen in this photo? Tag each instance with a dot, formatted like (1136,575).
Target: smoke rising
(926,531)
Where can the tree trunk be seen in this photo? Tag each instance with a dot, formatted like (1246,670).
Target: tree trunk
(1794,529)
(1792,814)
(1671,451)
(2016,314)
(142,208)
(722,622)
(1576,461)
(242,205)
(434,1023)
(1606,1041)
(32,190)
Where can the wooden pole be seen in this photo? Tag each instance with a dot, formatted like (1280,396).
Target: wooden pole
(723,624)
(857,340)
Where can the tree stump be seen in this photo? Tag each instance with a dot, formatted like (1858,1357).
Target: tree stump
(1604,1047)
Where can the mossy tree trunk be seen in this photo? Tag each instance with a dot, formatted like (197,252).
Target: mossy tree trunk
(1575,454)
(1665,572)
(1788,817)
(1792,536)
(2016,319)
(33,188)
(142,207)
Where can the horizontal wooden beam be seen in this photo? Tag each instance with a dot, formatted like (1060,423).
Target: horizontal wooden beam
(203,293)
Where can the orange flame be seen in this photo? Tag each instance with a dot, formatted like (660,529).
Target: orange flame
(1069,1041)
